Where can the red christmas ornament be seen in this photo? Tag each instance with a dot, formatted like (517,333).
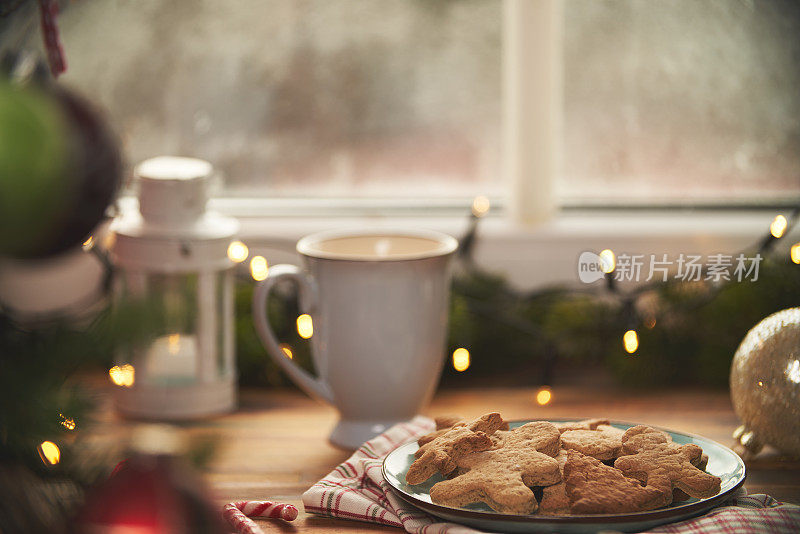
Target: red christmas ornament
(153,493)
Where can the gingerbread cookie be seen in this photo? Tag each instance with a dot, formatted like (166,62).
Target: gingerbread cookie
(644,435)
(443,424)
(595,488)
(638,437)
(538,434)
(502,477)
(603,443)
(554,498)
(488,424)
(655,460)
(586,424)
(701,463)
(441,453)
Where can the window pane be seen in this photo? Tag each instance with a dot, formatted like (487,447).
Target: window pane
(291,97)
(681,99)
(676,100)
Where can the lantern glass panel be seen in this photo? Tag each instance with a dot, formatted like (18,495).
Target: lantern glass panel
(189,340)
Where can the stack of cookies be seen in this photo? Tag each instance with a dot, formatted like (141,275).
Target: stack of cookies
(585,467)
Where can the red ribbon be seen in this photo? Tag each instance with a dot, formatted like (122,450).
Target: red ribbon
(52,42)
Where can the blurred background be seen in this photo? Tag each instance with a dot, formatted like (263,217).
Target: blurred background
(668,102)
(675,126)
(678,128)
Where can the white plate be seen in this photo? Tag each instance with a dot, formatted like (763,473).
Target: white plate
(722,462)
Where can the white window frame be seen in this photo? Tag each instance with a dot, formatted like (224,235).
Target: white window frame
(527,237)
(532,256)
(532,94)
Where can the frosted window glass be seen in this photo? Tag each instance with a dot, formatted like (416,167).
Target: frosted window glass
(671,100)
(301,97)
(681,99)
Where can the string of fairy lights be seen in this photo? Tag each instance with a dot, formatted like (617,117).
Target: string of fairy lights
(460,358)
(626,299)
(779,227)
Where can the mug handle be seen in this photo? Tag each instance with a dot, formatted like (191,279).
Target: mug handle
(314,386)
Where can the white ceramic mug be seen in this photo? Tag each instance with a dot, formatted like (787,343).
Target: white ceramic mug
(379,304)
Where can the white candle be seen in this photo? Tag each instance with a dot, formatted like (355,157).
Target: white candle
(532,41)
(172,358)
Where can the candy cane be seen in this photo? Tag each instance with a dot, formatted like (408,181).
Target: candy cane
(236,513)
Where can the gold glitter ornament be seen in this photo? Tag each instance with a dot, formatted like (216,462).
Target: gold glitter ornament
(765,384)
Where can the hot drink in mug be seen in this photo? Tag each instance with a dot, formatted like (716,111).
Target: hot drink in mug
(379,305)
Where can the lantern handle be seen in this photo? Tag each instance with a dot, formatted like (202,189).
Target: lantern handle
(314,386)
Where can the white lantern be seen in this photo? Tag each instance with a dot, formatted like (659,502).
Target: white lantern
(174,252)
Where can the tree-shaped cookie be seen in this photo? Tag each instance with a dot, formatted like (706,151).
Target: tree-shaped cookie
(441,453)
(502,477)
(595,488)
(655,460)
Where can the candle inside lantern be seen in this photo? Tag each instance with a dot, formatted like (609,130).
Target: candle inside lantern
(173,358)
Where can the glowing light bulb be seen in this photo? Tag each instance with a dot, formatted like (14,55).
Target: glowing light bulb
(259,268)
(173,343)
(237,251)
(305,326)
(544,396)
(122,375)
(631,341)
(67,422)
(461,359)
(608,261)
(287,350)
(778,226)
(795,253)
(49,453)
(480,206)
(89,243)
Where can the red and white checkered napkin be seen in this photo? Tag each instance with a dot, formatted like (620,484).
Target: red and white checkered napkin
(743,513)
(356,490)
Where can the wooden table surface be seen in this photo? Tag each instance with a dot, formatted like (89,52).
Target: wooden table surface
(276,445)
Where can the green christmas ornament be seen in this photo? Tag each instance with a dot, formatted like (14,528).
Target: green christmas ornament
(765,384)
(33,154)
(59,170)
